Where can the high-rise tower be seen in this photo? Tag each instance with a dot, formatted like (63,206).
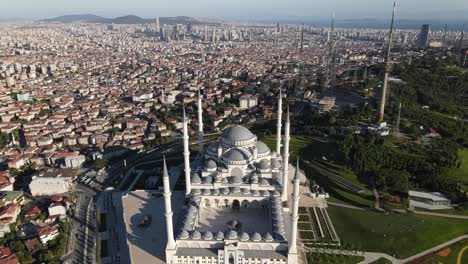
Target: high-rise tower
(424,36)
(387,67)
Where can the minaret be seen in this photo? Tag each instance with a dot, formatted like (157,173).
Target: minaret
(200,122)
(286,158)
(171,244)
(278,124)
(387,68)
(186,156)
(292,253)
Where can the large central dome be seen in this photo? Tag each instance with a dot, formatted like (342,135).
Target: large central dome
(237,133)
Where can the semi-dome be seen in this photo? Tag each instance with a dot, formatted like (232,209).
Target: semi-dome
(237,133)
(236,154)
(236,180)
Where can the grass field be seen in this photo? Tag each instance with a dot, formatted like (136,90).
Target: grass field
(461,173)
(398,235)
(314,149)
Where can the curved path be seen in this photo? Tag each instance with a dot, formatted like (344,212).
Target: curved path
(460,254)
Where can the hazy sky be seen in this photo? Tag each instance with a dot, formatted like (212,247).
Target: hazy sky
(237,9)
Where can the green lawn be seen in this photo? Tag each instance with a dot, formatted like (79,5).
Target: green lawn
(461,173)
(313,149)
(330,258)
(394,234)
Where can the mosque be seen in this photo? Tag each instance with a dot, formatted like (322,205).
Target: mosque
(237,210)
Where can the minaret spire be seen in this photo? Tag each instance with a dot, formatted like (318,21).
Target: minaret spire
(186,155)
(200,122)
(171,244)
(278,124)
(387,67)
(292,254)
(286,158)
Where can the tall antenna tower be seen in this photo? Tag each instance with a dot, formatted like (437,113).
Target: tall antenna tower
(330,64)
(387,67)
(302,38)
(445,34)
(460,43)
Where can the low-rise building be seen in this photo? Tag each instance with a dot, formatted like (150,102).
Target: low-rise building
(47,233)
(51,181)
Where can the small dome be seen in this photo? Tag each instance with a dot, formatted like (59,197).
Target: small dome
(208,179)
(225,191)
(244,236)
(236,190)
(215,192)
(237,133)
(263,164)
(262,148)
(268,237)
(279,229)
(196,235)
(219,236)
(206,192)
(264,182)
(232,234)
(196,192)
(265,193)
(236,180)
(256,237)
(183,234)
(276,193)
(255,193)
(208,235)
(211,164)
(245,191)
(225,180)
(275,163)
(196,179)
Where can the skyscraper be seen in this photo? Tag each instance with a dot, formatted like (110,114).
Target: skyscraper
(424,36)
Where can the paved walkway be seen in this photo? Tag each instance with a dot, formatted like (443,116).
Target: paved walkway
(442,215)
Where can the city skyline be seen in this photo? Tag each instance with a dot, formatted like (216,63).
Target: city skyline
(240,10)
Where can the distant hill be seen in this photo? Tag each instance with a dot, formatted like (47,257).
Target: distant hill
(85,18)
(129,19)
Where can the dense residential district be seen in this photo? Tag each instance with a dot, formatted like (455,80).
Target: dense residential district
(89,112)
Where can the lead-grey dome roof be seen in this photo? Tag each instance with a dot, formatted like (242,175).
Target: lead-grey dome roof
(237,133)
(235,155)
(211,164)
(262,147)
